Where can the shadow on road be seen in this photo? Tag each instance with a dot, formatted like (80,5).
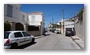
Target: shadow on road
(68,36)
(26,45)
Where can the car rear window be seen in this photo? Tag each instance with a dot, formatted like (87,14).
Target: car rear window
(6,34)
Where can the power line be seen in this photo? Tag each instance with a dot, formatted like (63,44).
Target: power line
(53,14)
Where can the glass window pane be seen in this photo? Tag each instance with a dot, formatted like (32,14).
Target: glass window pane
(9,10)
(25,34)
(18,34)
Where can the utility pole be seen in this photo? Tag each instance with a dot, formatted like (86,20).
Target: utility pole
(63,19)
(74,25)
(53,22)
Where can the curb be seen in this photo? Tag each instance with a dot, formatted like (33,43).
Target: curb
(78,41)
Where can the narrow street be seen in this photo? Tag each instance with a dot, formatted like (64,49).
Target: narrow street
(23,22)
(53,41)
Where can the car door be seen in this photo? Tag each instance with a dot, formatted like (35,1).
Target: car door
(27,37)
(19,38)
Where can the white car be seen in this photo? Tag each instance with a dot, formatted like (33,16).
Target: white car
(13,39)
(57,31)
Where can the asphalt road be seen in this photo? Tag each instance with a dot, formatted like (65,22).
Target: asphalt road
(51,41)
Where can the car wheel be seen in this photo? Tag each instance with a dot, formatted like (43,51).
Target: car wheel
(65,34)
(33,40)
(14,46)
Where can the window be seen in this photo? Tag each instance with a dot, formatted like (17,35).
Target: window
(33,28)
(25,34)
(18,34)
(23,18)
(6,35)
(33,18)
(9,10)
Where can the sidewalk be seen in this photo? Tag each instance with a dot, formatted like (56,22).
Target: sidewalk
(78,41)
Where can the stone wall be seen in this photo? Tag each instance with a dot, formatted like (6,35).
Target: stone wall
(35,33)
(79,27)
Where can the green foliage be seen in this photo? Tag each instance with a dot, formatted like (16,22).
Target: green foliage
(7,26)
(80,15)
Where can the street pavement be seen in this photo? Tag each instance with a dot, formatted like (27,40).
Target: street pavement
(53,41)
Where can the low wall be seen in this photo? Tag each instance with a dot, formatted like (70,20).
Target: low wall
(35,33)
(80,30)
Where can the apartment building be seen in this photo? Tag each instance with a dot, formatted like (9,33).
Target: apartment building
(69,25)
(36,23)
(33,22)
(66,24)
(14,16)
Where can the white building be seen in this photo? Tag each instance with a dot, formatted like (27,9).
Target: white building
(19,20)
(68,25)
(36,20)
(14,16)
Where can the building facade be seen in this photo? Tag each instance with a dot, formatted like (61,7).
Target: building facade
(36,21)
(80,26)
(69,25)
(14,16)
(33,23)
(66,25)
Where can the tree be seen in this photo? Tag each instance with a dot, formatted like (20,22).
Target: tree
(7,26)
(80,15)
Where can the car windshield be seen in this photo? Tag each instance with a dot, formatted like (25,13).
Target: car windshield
(69,31)
(6,34)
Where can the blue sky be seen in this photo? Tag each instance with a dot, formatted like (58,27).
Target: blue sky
(52,10)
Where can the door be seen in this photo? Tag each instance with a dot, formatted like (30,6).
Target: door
(27,37)
(19,38)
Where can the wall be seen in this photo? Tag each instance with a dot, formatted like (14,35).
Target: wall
(21,18)
(15,13)
(16,16)
(79,27)
(35,33)
(38,19)
(68,24)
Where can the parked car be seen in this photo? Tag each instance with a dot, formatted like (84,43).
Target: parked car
(69,33)
(13,39)
(53,30)
(46,30)
(57,32)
